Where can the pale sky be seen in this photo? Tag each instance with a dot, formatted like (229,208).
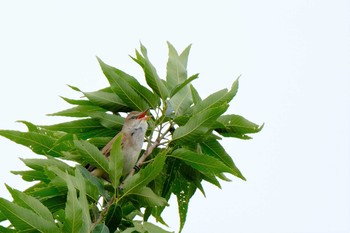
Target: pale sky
(294,57)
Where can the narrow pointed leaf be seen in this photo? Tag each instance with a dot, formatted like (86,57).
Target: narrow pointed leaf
(146,197)
(237,126)
(24,219)
(184,190)
(78,111)
(214,148)
(91,154)
(83,193)
(178,87)
(38,143)
(146,175)
(30,203)
(76,102)
(201,162)
(195,96)
(152,77)
(32,175)
(216,99)
(123,89)
(198,125)
(41,164)
(107,100)
(116,162)
(73,211)
(176,66)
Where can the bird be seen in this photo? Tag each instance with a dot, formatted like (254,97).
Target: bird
(133,131)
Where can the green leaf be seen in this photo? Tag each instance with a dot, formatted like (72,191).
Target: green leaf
(146,197)
(195,96)
(122,88)
(176,78)
(177,66)
(108,120)
(183,190)
(150,227)
(116,162)
(101,228)
(180,86)
(7,230)
(30,203)
(24,219)
(78,111)
(201,162)
(146,175)
(76,102)
(82,187)
(152,77)
(107,100)
(38,143)
(42,164)
(94,181)
(73,211)
(144,227)
(91,154)
(237,126)
(213,147)
(198,125)
(76,126)
(32,175)
(114,217)
(216,99)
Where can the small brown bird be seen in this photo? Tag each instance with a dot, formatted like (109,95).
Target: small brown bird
(134,130)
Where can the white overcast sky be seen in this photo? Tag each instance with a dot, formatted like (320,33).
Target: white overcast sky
(294,57)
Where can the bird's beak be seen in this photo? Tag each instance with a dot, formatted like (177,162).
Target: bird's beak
(143,115)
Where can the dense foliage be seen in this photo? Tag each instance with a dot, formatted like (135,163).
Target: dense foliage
(181,150)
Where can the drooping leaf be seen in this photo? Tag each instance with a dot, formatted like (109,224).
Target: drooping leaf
(198,125)
(116,162)
(146,197)
(30,203)
(122,88)
(201,162)
(183,190)
(214,148)
(237,126)
(24,219)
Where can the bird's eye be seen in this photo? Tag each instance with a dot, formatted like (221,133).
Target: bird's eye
(133,117)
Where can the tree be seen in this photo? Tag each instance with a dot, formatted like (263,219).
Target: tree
(182,150)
